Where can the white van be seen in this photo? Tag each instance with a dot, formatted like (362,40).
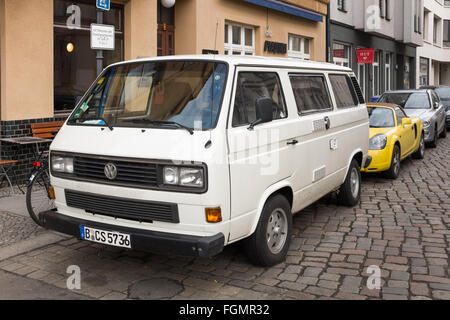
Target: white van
(188,154)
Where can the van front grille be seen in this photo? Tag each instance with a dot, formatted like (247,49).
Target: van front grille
(139,174)
(142,211)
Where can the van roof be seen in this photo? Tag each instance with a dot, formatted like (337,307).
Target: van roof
(250,61)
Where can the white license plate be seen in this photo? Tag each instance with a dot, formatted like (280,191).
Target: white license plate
(111,238)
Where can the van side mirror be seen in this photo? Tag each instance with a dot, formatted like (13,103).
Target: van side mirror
(436,105)
(406,121)
(264,112)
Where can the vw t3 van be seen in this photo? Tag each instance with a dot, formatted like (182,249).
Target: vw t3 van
(187,154)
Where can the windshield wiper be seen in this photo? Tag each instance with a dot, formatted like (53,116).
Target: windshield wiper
(96,118)
(162,122)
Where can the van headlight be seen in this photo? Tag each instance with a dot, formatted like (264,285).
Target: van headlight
(184,177)
(378,142)
(62,164)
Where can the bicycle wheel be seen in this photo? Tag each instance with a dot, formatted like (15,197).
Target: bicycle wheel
(38,196)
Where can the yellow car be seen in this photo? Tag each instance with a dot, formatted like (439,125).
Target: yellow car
(393,137)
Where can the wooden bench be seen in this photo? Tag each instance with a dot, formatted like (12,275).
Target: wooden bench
(46,130)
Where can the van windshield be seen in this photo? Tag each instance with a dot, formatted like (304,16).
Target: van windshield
(163,94)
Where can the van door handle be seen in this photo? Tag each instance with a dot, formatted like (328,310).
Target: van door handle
(327,123)
(292,143)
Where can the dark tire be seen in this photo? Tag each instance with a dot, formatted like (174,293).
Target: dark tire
(350,192)
(394,170)
(420,153)
(433,144)
(443,134)
(38,196)
(269,243)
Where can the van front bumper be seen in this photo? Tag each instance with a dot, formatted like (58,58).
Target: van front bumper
(142,240)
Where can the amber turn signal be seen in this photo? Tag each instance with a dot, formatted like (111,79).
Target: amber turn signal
(213,215)
(51,192)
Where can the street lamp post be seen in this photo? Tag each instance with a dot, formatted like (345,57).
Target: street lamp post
(99,52)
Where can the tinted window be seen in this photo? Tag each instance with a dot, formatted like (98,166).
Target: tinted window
(408,100)
(444,93)
(343,91)
(250,87)
(434,97)
(381,118)
(311,93)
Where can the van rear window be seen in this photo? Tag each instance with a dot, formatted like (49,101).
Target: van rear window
(311,93)
(343,91)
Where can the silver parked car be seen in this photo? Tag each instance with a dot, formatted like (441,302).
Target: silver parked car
(425,104)
(444,94)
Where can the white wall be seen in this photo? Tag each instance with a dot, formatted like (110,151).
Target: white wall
(435,51)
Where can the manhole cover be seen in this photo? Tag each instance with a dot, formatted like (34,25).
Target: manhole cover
(154,289)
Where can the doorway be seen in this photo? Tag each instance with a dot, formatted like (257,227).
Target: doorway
(166,30)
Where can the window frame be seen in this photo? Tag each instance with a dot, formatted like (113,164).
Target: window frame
(234,94)
(352,89)
(242,48)
(322,75)
(299,54)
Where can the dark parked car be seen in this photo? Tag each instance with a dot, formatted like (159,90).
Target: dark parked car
(444,95)
(427,105)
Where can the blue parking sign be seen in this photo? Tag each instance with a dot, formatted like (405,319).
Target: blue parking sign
(104,4)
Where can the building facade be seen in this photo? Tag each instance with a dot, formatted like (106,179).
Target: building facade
(392,27)
(433,59)
(46,60)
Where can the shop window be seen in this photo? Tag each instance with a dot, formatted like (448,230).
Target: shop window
(75,64)
(424,71)
(299,47)
(250,87)
(239,39)
(341,54)
(343,91)
(311,93)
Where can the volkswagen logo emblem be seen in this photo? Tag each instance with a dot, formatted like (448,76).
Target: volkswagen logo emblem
(111,171)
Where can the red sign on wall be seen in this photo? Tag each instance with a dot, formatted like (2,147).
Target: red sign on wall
(365,55)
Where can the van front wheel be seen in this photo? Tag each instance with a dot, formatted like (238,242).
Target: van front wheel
(350,192)
(269,244)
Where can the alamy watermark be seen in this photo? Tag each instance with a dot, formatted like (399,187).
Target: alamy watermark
(74,280)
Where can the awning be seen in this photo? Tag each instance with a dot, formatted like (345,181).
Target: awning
(288,8)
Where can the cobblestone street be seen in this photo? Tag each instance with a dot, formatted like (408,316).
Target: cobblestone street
(402,226)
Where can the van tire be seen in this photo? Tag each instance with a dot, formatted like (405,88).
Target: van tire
(350,192)
(277,210)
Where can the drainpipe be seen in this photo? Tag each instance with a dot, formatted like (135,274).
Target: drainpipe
(328,36)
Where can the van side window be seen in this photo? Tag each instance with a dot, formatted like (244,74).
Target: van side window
(311,93)
(250,87)
(343,91)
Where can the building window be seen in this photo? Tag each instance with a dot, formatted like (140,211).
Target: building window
(376,74)
(446,33)
(387,8)
(424,71)
(299,47)
(382,8)
(75,66)
(239,39)
(341,5)
(436,30)
(341,54)
(388,71)
(417,16)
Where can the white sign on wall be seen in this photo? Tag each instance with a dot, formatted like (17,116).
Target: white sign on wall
(102,37)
